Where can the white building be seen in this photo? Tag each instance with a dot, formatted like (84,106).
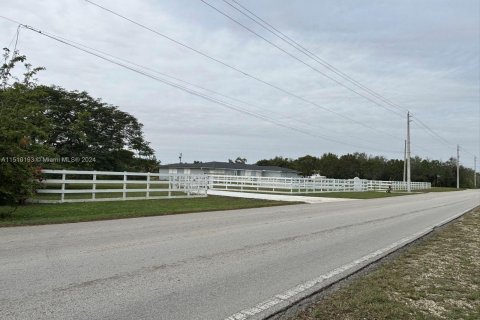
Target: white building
(227,168)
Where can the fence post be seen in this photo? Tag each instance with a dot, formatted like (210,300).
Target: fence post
(64,177)
(124,195)
(170,185)
(94,185)
(148,185)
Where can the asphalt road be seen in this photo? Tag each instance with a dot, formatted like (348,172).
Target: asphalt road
(199,266)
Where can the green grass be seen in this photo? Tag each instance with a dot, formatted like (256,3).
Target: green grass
(435,279)
(35,214)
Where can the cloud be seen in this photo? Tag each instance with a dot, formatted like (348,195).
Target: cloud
(422,55)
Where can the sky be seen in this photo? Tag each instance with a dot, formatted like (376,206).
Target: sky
(424,56)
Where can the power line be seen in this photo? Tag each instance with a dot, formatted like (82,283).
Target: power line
(433,133)
(440,138)
(89,50)
(276,32)
(185,82)
(239,70)
(298,59)
(324,137)
(14,39)
(269,27)
(199,94)
(188,90)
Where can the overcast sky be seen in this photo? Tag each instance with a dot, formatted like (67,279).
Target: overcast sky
(421,54)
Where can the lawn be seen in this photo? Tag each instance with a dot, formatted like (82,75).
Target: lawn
(435,279)
(35,214)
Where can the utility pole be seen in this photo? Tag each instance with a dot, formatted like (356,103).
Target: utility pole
(458,166)
(180,157)
(409,188)
(405,161)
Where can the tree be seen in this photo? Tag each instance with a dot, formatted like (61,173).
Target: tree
(23,128)
(48,121)
(277,162)
(84,127)
(329,165)
(307,165)
(442,174)
(350,166)
(241,160)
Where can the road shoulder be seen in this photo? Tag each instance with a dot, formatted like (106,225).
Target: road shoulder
(435,279)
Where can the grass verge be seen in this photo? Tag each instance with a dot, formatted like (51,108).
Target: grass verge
(436,279)
(35,214)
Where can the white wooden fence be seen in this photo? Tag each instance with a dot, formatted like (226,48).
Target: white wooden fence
(307,185)
(85,186)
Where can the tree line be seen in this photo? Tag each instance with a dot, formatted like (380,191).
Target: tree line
(348,166)
(49,126)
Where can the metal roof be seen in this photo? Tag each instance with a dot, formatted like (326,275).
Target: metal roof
(226,165)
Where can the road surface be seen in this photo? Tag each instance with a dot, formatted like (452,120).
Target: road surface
(272,196)
(208,265)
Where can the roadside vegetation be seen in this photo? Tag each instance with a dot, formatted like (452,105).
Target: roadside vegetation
(51,127)
(35,214)
(435,279)
(370,167)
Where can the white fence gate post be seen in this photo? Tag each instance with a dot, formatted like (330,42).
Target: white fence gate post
(124,195)
(64,177)
(94,185)
(148,185)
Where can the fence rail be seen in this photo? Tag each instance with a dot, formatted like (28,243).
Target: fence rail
(85,186)
(102,186)
(307,185)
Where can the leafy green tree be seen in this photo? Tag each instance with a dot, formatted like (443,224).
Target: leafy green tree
(329,165)
(23,128)
(241,160)
(350,165)
(40,121)
(277,162)
(440,174)
(307,165)
(87,128)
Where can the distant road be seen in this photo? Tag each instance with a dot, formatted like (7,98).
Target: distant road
(275,197)
(208,265)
